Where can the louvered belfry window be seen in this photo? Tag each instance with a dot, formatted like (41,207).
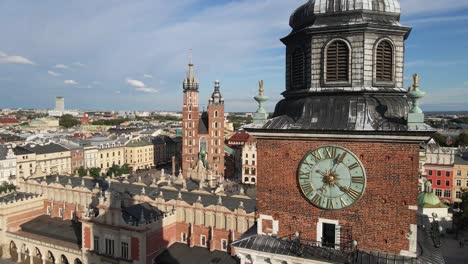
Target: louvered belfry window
(337,62)
(384,62)
(298,62)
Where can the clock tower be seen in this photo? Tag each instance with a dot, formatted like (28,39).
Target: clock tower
(338,161)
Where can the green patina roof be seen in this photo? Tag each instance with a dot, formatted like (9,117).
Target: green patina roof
(228,150)
(428,199)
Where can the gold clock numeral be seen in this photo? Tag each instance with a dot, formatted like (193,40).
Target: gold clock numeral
(330,204)
(317,155)
(307,188)
(317,200)
(308,163)
(330,153)
(353,194)
(343,202)
(342,157)
(353,166)
(358,180)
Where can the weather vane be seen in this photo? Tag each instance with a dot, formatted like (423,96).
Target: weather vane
(260,87)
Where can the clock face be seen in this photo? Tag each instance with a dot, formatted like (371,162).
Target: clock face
(332,178)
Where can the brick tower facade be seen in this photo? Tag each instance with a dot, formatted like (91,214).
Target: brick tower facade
(338,162)
(203,134)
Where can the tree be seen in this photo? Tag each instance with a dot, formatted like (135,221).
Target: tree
(114,171)
(82,171)
(125,169)
(6,187)
(462,139)
(440,139)
(95,172)
(68,121)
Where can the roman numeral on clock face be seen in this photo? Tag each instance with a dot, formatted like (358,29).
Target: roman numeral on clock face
(307,188)
(330,204)
(358,180)
(317,155)
(304,175)
(317,200)
(353,166)
(343,202)
(353,194)
(330,153)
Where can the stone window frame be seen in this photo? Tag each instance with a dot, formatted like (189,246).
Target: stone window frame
(374,67)
(348,83)
(203,239)
(223,247)
(322,221)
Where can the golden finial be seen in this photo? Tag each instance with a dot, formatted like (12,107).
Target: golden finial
(260,87)
(415,81)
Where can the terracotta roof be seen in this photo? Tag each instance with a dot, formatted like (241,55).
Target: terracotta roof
(241,137)
(9,121)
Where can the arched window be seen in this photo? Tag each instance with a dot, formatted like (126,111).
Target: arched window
(337,62)
(215,113)
(297,68)
(384,62)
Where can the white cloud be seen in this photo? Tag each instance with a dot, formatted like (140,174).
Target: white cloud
(61,66)
(52,73)
(148,76)
(135,83)
(79,64)
(146,90)
(14,59)
(70,82)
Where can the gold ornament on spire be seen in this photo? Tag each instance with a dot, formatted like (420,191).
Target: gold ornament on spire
(415,81)
(260,87)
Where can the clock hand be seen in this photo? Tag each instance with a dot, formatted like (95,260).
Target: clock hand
(342,188)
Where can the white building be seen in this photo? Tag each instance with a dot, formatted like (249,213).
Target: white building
(91,156)
(7,163)
(249,162)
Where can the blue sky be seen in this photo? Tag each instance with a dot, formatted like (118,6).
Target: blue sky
(132,55)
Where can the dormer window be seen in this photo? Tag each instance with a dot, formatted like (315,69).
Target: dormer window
(337,62)
(384,62)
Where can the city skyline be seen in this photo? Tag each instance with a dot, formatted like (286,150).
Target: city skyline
(133,56)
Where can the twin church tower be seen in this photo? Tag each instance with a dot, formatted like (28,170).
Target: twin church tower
(203,134)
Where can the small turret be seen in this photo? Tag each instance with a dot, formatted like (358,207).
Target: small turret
(216,97)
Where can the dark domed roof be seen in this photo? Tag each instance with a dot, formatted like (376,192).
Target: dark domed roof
(305,14)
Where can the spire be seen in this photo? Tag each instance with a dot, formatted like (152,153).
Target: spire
(191,81)
(216,97)
(261,116)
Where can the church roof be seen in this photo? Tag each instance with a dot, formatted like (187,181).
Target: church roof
(203,124)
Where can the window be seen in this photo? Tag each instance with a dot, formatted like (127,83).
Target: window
(223,244)
(430,172)
(48,210)
(466,183)
(203,241)
(297,69)
(215,113)
(247,155)
(60,212)
(183,237)
(447,174)
(438,192)
(124,250)
(458,195)
(253,156)
(458,172)
(439,173)
(109,247)
(439,182)
(253,162)
(447,194)
(384,62)
(447,183)
(96,243)
(246,171)
(337,62)
(254,171)
(458,182)
(253,180)
(246,179)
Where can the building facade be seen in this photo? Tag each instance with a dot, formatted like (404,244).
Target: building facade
(139,154)
(324,158)
(460,176)
(7,164)
(25,162)
(90,157)
(109,154)
(439,170)
(203,134)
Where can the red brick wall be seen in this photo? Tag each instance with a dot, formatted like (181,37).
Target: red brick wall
(135,248)
(160,240)
(379,221)
(14,222)
(87,238)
